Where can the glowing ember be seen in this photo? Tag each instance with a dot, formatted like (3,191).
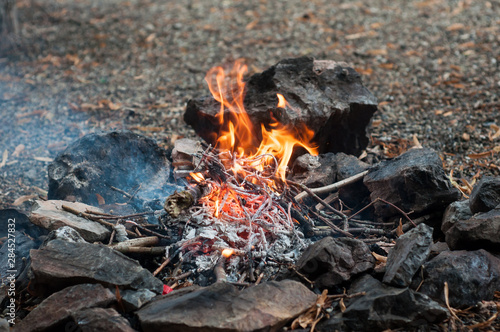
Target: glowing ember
(198,177)
(227,252)
(281,100)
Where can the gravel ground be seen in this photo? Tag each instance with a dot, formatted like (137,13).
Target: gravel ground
(90,65)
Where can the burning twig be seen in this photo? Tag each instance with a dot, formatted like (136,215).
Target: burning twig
(331,187)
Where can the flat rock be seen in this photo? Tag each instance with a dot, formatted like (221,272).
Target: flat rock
(414,181)
(456,211)
(99,319)
(61,264)
(408,255)
(51,216)
(485,195)
(330,262)
(480,231)
(65,233)
(222,307)
(384,307)
(121,159)
(54,312)
(472,276)
(326,96)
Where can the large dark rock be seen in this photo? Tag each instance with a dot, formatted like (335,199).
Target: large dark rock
(414,181)
(60,264)
(96,162)
(410,252)
(330,262)
(315,171)
(384,307)
(222,307)
(472,276)
(456,211)
(326,96)
(54,312)
(480,231)
(485,195)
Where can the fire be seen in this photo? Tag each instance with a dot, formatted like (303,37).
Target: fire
(237,133)
(198,177)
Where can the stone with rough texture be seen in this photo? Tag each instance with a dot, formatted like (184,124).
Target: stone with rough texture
(64,233)
(414,181)
(99,319)
(410,252)
(480,231)
(51,216)
(326,96)
(61,264)
(134,299)
(222,307)
(96,162)
(330,262)
(54,312)
(456,211)
(472,276)
(485,195)
(315,171)
(384,307)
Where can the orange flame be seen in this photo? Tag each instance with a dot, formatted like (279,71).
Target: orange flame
(237,134)
(198,177)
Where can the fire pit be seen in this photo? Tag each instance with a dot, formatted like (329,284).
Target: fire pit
(272,221)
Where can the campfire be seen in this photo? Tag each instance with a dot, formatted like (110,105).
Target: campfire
(242,201)
(280,225)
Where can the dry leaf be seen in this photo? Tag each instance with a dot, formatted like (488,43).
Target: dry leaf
(399,230)
(379,258)
(100,199)
(45,159)
(4,158)
(455,27)
(310,317)
(18,150)
(376,52)
(447,301)
(494,133)
(480,155)
(342,305)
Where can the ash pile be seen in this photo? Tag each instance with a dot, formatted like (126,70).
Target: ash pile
(283,216)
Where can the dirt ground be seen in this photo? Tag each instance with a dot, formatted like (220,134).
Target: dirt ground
(86,65)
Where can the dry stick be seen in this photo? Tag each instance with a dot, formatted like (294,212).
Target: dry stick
(162,266)
(140,242)
(333,186)
(417,221)
(346,296)
(142,250)
(122,192)
(378,199)
(318,199)
(220,274)
(89,217)
(180,276)
(334,227)
(110,216)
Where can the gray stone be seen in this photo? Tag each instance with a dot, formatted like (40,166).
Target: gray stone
(481,231)
(61,264)
(315,171)
(472,276)
(330,262)
(325,96)
(51,216)
(414,181)
(456,211)
(222,307)
(54,312)
(135,299)
(4,325)
(410,252)
(485,195)
(98,319)
(96,162)
(384,307)
(65,233)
